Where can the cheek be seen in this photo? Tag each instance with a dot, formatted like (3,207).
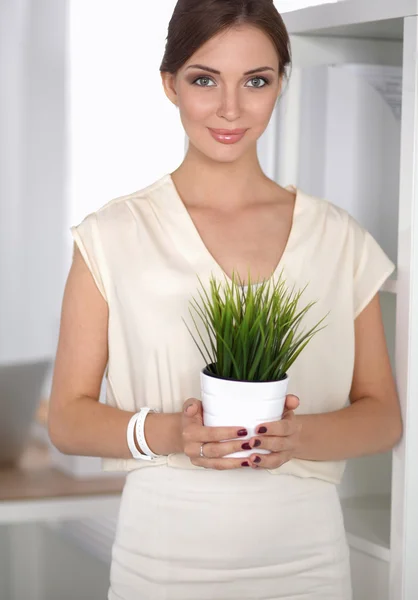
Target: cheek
(261,108)
(260,113)
(196,105)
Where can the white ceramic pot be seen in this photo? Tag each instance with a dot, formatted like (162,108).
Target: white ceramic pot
(243,404)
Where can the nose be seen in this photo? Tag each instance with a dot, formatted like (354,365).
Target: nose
(229,104)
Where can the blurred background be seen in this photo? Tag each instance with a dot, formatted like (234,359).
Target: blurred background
(81,101)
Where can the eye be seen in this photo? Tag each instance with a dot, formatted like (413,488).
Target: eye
(202,78)
(266,82)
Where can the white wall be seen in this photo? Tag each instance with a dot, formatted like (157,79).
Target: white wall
(79,119)
(124,133)
(32,168)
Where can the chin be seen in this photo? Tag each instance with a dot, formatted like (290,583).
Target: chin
(223,157)
(217,152)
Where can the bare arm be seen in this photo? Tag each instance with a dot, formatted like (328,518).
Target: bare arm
(372,423)
(78,423)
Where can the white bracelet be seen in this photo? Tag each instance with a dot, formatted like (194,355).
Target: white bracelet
(140,433)
(130,436)
(136,425)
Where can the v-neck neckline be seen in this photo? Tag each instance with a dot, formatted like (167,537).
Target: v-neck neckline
(204,251)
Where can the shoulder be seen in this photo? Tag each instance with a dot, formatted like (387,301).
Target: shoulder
(319,216)
(117,212)
(324,214)
(325,225)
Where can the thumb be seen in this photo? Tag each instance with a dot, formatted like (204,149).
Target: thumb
(192,412)
(190,408)
(292,402)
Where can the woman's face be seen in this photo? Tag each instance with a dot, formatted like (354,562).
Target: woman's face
(229,99)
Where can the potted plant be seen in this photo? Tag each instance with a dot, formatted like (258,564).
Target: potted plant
(253,341)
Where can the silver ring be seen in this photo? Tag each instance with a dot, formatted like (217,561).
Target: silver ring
(201,450)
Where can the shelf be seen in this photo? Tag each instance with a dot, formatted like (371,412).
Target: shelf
(364,19)
(367,523)
(95,535)
(34,490)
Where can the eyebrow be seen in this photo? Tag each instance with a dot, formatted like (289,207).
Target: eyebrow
(250,72)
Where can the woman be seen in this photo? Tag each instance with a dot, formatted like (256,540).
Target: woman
(195,525)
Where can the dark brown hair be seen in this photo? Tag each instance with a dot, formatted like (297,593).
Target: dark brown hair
(194,22)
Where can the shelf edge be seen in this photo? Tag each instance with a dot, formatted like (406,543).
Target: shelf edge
(367,547)
(341,14)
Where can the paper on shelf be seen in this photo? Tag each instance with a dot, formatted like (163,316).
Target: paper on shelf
(387,80)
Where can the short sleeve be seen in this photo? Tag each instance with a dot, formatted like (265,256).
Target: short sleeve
(86,235)
(372,267)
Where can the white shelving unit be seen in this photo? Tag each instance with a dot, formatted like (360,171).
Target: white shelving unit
(379,493)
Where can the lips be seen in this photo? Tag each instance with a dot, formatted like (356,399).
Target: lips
(228,131)
(229,137)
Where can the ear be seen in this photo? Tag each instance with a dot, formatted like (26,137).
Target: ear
(169,84)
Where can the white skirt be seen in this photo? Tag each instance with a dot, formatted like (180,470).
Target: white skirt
(243,534)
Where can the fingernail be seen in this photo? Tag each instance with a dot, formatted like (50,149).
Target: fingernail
(246,446)
(242,432)
(262,429)
(257,459)
(257,443)
(245,464)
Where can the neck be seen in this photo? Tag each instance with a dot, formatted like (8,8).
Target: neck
(216,184)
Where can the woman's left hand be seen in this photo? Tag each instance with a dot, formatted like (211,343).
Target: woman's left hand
(281,438)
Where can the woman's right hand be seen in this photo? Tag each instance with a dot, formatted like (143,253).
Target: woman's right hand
(194,433)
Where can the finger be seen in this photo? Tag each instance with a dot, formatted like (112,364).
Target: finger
(270,442)
(223,448)
(194,429)
(192,407)
(269,461)
(192,415)
(200,434)
(287,425)
(291,403)
(221,464)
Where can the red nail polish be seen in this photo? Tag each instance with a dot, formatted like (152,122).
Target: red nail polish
(242,432)
(245,464)
(257,459)
(262,430)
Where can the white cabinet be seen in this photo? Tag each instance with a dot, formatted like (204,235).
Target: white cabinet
(353,99)
(370,576)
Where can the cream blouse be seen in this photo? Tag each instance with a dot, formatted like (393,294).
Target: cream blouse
(145,253)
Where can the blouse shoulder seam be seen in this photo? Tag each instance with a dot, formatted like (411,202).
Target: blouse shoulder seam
(142,194)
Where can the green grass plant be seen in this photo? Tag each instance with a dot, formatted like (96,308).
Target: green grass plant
(253,334)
